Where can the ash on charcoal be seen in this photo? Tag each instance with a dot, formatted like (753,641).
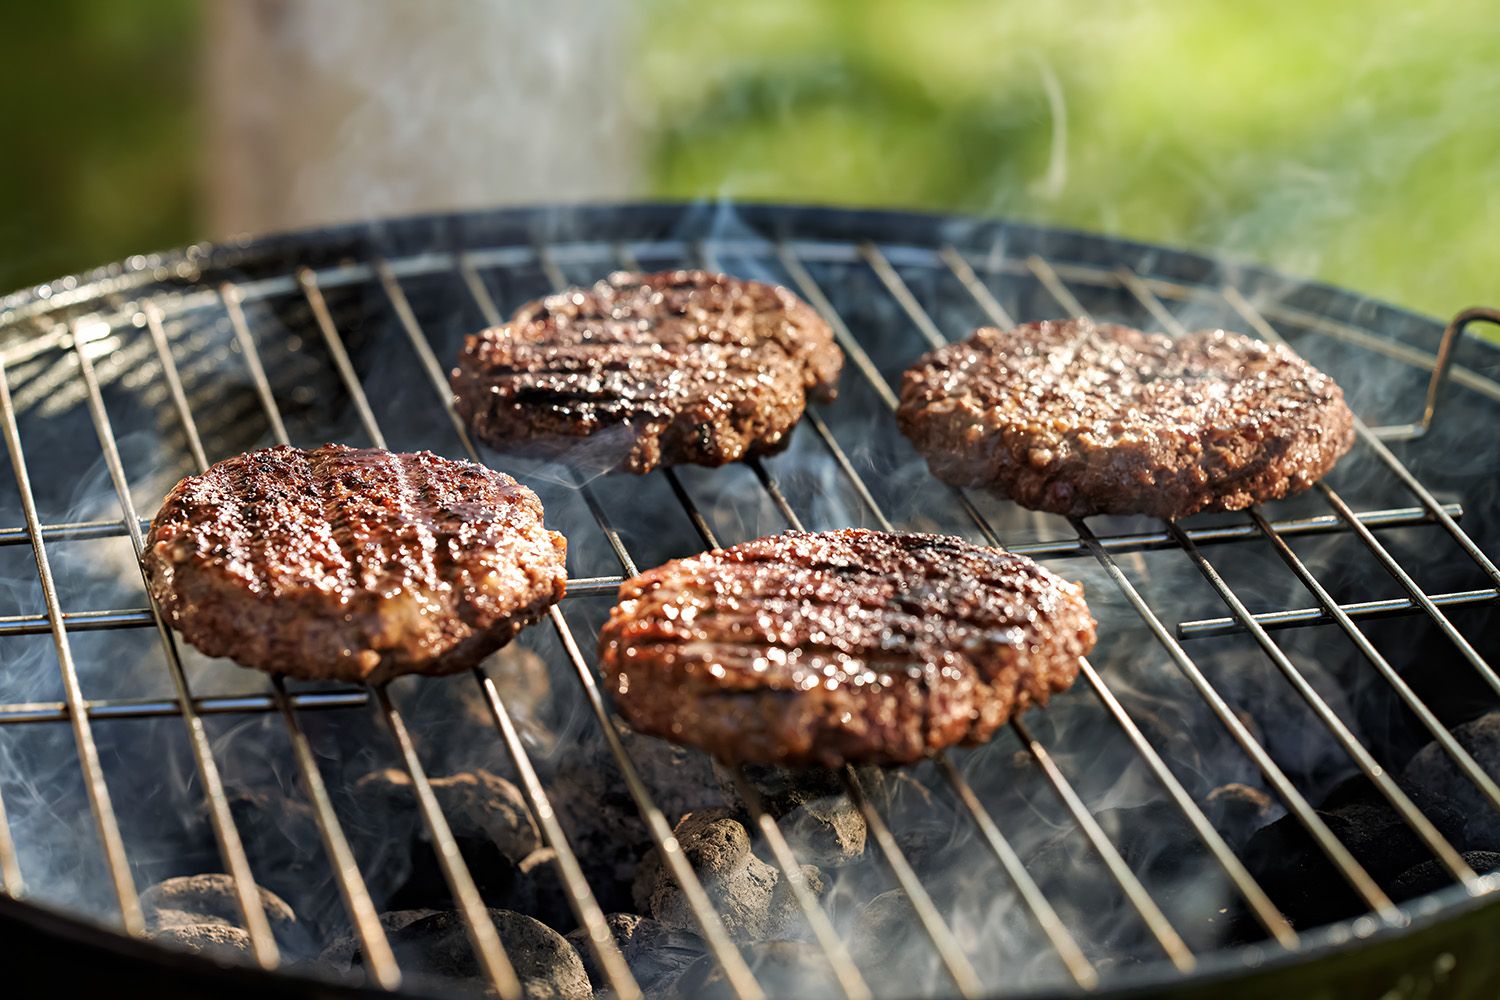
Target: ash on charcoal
(191,903)
(476,804)
(596,809)
(819,821)
(216,940)
(1430,876)
(494,830)
(783,968)
(717,846)
(787,919)
(1237,811)
(1294,871)
(655,953)
(341,950)
(1434,781)
(438,946)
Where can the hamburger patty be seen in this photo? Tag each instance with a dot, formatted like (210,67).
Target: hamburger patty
(1079,418)
(838,647)
(655,369)
(355,564)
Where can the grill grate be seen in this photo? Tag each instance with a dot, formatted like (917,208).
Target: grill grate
(92,320)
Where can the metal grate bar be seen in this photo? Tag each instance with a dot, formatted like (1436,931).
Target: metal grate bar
(1266,912)
(1447,348)
(741,979)
(418,340)
(481,928)
(862,361)
(1368,765)
(1348,867)
(845,971)
(351,885)
(374,945)
(231,849)
(939,934)
(959,265)
(232,297)
(98,621)
(483,934)
(1300,617)
(1417,594)
(1379,551)
(1156,921)
(174,383)
(1161,928)
(949,951)
(580,896)
(1446,854)
(105,820)
(1297,805)
(833,950)
(10,869)
(1322,524)
(1252,316)
(20,535)
(148,708)
(1382,666)
(340,355)
(1430,722)
(1031,894)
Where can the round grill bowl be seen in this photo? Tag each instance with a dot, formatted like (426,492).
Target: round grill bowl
(119,381)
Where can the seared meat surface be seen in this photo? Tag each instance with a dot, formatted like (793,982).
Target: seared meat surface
(1079,418)
(652,369)
(355,564)
(848,646)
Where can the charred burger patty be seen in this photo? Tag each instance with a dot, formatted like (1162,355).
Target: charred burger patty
(653,369)
(849,646)
(355,564)
(1079,418)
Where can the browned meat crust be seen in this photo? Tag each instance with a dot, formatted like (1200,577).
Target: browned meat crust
(849,646)
(1079,418)
(355,564)
(654,369)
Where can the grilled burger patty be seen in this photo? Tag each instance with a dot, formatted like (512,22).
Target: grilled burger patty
(355,564)
(656,369)
(849,646)
(1079,418)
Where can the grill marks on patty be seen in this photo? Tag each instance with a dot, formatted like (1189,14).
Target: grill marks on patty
(357,564)
(660,369)
(1079,418)
(844,646)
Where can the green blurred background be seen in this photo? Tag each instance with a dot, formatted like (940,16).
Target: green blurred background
(1356,142)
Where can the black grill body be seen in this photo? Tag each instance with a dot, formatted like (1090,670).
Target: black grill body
(1231,644)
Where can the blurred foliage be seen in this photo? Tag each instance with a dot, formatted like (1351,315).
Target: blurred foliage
(100,133)
(1359,143)
(1355,142)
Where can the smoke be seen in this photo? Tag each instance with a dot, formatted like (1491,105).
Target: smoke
(440,107)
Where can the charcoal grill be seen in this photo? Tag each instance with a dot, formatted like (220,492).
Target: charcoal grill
(1361,612)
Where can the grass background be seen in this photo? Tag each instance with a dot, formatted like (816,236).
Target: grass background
(1359,143)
